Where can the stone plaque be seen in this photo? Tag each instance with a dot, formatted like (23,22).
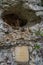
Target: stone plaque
(21,54)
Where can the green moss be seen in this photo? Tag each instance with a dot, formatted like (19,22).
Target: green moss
(41,34)
(37,46)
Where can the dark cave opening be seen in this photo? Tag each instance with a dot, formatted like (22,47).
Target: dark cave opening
(14,20)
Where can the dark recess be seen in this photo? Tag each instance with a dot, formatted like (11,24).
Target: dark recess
(14,20)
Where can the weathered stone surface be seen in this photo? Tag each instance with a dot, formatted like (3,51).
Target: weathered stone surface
(15,38)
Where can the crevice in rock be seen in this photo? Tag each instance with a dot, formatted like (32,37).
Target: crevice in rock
(14,20)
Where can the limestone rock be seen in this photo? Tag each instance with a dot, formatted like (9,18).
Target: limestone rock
(8,38)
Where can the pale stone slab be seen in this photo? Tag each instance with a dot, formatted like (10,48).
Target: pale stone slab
(21,54)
